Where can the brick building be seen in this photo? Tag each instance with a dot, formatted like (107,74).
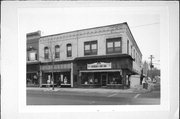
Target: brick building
(105,56)
(33,64)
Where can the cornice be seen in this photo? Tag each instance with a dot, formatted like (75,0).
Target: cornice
(83,33)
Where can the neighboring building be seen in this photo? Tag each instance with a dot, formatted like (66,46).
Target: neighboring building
(33,64)
(106,56)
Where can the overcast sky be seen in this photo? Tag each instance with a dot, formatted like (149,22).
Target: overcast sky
(144,27)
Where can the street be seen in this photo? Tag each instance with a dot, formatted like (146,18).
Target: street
(91,97)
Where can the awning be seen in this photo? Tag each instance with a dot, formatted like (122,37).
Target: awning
(104,56)
(112,70)
(49,71)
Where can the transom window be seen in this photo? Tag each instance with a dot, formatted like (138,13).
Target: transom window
(113,45)
(90,48)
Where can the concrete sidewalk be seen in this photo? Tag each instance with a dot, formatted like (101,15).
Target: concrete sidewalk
(90,90)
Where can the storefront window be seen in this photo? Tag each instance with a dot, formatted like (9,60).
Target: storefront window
(65,78)
(114,78)
(91,78)
(97,78)
(32,79)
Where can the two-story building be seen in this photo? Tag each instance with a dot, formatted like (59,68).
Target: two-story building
(105,56)
(33,64)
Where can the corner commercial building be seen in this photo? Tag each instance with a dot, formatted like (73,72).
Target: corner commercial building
(105,56)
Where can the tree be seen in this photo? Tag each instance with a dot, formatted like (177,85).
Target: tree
(154,72)
(51,55)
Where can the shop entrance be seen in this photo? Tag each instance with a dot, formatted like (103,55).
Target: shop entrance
(104,79)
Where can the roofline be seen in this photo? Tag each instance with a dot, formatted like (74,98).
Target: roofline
(83,29)
(133,37)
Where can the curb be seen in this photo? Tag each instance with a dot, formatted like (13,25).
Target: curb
(82,90)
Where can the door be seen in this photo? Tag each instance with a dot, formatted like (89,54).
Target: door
(103,79)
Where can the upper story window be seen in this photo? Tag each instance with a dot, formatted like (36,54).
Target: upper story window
(113,45)
(46,53)
(131,50)
(69,50)
(31,54)
(134,54)
(57,51)
(127,46)
(90,48)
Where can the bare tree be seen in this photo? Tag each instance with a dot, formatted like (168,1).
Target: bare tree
(51,49)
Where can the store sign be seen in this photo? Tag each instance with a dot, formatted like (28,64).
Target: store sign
(56,67)
(99,65)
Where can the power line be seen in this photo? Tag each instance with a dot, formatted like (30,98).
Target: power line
(145,25)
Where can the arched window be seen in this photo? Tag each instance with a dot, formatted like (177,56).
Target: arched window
(57,51)
(46,53)
(69,50)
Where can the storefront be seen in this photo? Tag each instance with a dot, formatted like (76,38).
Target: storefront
(32,75)
(104,72)
(61,73)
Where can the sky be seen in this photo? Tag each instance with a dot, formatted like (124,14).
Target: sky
(145,27)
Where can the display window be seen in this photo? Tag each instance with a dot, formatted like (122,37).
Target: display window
(95,78)
(114,78)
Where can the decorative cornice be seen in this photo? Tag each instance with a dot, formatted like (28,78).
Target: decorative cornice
(83,33)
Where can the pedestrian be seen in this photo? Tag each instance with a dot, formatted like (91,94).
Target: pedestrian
(59,82)
(144,82)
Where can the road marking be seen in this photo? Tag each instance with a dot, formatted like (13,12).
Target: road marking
(112,95)
(137,95)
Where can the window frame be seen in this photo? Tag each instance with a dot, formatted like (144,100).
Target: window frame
(114,49)
(69,52)
(90,51)
(128,47)
(57,54)
(46,54)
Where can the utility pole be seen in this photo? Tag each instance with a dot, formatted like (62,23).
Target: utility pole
(52,60)
(151,64)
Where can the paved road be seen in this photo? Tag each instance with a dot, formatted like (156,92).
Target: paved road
(64,97)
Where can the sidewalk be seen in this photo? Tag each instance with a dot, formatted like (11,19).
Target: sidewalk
(91,90)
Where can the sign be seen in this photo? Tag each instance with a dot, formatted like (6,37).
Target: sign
(56,67)
(99,65)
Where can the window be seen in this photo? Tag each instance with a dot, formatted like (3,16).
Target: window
(114,78)
(134,54)
(32,56)
(46,53)
(131,50)
(57,51)
(69,50)
(127,46)
(90,48)
(113,45)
